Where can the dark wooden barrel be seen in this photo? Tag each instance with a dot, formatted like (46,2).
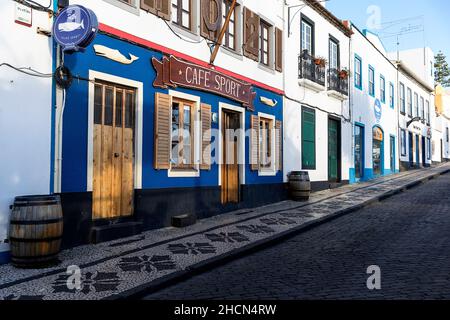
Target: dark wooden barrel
(35,231)
(299,185)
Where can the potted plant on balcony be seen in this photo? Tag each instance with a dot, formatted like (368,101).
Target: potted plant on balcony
(344,74)
(320,61)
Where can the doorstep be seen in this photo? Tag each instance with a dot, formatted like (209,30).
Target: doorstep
(138,265)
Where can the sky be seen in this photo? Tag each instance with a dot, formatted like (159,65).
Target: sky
(377,15)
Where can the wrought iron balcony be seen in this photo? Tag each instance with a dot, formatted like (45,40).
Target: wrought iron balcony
(308,69)
(337,82)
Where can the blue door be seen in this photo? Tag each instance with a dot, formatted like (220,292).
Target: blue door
(359,152)
(411,150)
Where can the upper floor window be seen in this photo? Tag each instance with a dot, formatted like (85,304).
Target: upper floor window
(181,13)
(409,99)
(403,141)
(229,39)
(371,81)
(422,109)
(391,95)
(358,72)
(307,36)
(416,104)
(264,34)
(382,89)
(402,98)
(334,54)
(428,112)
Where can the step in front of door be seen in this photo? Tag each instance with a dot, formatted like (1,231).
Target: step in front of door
(115,231)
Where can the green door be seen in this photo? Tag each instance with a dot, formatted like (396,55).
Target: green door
(333,156)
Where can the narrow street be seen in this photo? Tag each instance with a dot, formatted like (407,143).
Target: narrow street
(407,236)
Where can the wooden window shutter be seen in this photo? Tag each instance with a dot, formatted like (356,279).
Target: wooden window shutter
(205,163)
(279,145)
(161,8)
(251,34)
(162,131)
(211,18)
(278,50)
(254,143)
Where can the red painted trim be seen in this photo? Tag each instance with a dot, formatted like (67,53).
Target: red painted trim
(121,34)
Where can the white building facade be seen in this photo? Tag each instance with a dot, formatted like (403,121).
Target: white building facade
(374,108)
(26,113)
(316,111)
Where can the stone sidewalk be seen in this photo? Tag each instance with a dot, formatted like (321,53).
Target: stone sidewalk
(131,267)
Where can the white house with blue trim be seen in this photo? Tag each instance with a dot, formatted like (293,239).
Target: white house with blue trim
(374,106)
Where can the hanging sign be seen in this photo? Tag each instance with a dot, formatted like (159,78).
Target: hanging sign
(377,110)
(171,72)
(23,15)
(75,28)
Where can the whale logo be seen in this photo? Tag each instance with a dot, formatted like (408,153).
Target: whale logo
(113,54)
(71,26)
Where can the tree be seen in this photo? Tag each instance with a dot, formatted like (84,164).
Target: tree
(442,70)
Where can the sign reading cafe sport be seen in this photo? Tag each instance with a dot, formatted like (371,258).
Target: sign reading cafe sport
(171,72)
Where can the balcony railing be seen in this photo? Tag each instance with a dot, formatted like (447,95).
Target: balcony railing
(336,82)
(308,69)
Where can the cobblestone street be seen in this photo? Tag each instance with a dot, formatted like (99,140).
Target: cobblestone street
(407,236)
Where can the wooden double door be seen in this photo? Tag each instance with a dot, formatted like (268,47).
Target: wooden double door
(113,146)
(230,192)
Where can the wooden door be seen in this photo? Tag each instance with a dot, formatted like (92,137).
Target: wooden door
(230,151)
(113,184)
(333,156)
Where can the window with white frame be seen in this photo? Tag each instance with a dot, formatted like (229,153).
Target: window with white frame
(181,13)
(402,98)
(403,141)
(127,5)
(266,148)
(307,36)
(265,40)
(230,36)
(409,100)
(416,104)
(422,108)
(358,72)
(334,54)
(391,95)
(428,111)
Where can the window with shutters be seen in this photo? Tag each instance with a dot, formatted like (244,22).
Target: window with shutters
(182,134)
(278,50)
(308,139)
(265,143)
(181,13)
(161,8)
(251,35)
(264,36)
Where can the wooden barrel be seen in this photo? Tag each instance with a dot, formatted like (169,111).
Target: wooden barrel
(35,231)
(299,185)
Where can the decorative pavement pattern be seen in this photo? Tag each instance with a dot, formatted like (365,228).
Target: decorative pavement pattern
(120,268)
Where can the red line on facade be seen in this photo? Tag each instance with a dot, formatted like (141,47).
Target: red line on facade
(152,45)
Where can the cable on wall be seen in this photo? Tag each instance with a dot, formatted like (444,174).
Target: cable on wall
(27,70)
(35,5)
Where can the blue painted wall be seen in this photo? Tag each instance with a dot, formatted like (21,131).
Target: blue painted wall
(75,123)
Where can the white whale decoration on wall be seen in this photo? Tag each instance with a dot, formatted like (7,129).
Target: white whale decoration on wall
(114,54)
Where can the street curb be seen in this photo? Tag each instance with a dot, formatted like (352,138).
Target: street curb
(182,275)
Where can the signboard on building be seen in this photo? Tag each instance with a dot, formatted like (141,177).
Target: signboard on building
(377,110)
(23,15)
(75,28)
(172,72)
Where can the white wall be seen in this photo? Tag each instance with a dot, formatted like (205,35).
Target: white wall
(419,60)
(299,95)
(25,111)
(149,27)
(371,51)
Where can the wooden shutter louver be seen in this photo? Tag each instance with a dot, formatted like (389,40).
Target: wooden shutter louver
(205,163)
(162,143)
(161,8)
(251,34)
(254,143)
(279,145)
(278,50)
(211,18)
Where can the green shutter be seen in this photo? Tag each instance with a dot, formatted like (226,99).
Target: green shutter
(308,139)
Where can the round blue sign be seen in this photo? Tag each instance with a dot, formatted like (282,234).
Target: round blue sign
(75,28)
(377,109)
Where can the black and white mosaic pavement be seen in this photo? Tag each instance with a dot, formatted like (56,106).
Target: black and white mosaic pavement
(112,269)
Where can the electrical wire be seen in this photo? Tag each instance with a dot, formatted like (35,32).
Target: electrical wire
(28,71)
(173,31)
(35,5)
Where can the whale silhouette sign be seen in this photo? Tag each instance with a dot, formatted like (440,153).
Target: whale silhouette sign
(75,28)
(114,54)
